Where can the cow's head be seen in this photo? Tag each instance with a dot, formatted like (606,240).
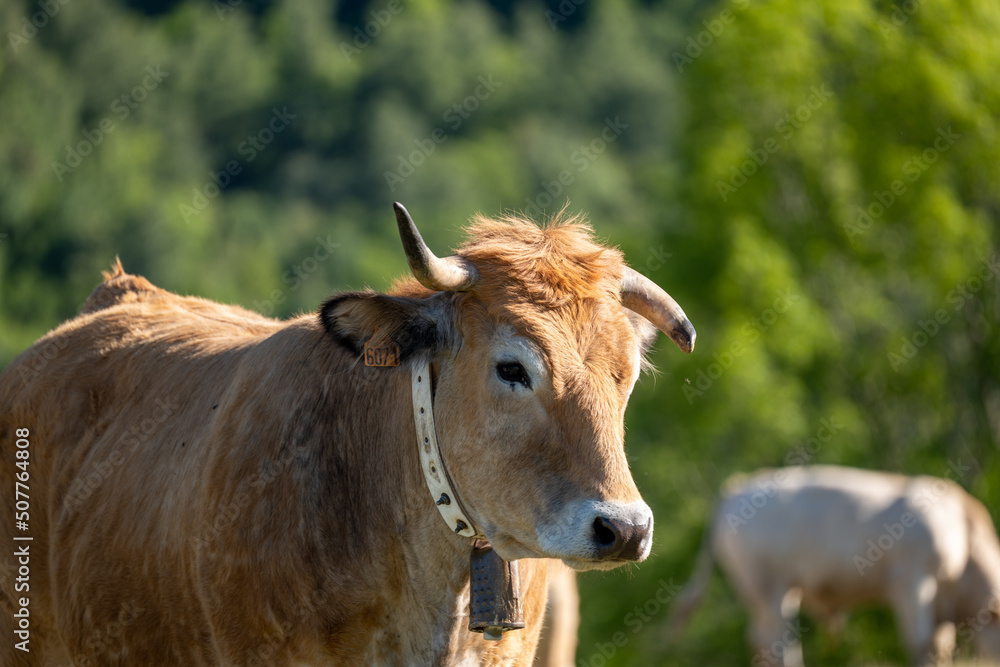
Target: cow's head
(537,337)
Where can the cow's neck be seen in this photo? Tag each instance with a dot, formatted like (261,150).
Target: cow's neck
(421,568)
(437,569)
(436,560)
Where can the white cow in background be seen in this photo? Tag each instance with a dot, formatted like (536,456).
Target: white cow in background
(830,539)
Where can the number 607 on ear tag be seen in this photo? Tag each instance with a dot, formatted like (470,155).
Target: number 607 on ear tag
(383,353)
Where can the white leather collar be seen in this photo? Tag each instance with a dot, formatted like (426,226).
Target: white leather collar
(442,490)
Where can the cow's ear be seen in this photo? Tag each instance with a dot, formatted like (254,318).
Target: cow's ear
(352,319)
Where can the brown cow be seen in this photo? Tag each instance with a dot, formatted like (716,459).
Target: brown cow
(209,486)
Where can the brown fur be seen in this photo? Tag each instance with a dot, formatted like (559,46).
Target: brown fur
(210,486)
(576,282)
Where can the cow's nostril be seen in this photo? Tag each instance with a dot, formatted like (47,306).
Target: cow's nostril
(605,532)
(621,540)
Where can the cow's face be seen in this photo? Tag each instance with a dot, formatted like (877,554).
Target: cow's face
(534,363)
(531,421)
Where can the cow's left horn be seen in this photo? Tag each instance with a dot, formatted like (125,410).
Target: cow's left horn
(645,297)
(445,274)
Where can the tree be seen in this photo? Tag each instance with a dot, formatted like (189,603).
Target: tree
(840,162)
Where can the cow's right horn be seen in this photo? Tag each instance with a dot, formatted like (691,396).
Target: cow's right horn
(645,297)
(447,274)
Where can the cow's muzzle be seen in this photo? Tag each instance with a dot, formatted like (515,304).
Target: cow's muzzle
(594,534)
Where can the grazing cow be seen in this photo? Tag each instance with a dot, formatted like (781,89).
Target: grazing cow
(209,486)
(830,539)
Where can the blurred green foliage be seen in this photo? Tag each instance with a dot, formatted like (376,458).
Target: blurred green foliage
(816,183)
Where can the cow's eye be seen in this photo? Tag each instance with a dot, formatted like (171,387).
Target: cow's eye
(511,371)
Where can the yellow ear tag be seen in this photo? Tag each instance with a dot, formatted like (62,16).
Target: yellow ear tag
(384,352)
